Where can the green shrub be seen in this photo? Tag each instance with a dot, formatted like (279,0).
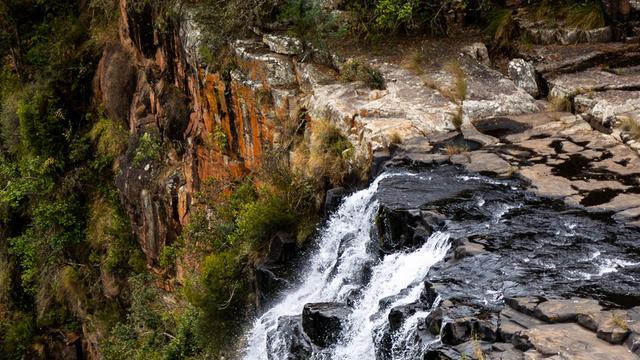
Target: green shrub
(502,28)
(16,333)
(258,221)
(149,149)
(586,15)
(354,70)
(310,22)
(109,137)
(221,294)
(42,124)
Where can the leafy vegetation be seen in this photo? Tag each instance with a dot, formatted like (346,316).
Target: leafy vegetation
(354,70)
(149,149)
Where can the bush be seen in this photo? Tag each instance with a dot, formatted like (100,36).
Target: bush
(354,70)
(109,137)
(221,293)
(310,22)
(502,28)
(42,124)
(149,149)
(16,333)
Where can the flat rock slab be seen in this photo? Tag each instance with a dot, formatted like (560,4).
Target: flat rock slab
(569,85)
(546,184)
(619,203)
(557,58)
(604,104)
(566,310)
(572,341)
(481,162)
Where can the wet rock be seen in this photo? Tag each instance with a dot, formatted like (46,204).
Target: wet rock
(267,284)
(289,340)
(281,44)
(282,248)
(333,198)
(457,322)
(523,74)
(429,294)
(467,249)
(323,322)
(405,228)
(399,314)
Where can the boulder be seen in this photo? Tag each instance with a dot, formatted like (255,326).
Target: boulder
(400,313)
(288,341)
(285,45)
(332,199)
(282,248)
(323,322)
(523,74)
(479,52)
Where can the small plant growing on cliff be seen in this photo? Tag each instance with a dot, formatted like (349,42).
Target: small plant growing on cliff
(220,138)
(354,70)
(149,149)
(109,137)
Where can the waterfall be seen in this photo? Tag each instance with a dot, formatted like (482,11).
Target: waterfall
(346,251)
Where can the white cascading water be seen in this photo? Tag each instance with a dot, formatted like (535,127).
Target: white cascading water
(335,271)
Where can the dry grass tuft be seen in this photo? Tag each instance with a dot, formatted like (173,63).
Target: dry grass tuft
(395,138)
(619,321)
(455,149)
(458,118)
(354,70)
(415,61)
(630,126)
(502,28)
(586,15)
(561,104)
(460,85)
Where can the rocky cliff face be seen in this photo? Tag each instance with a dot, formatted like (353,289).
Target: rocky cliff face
(213,125)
